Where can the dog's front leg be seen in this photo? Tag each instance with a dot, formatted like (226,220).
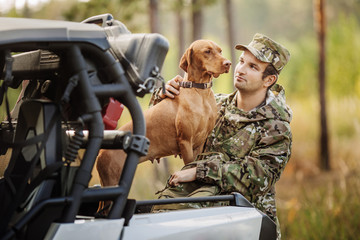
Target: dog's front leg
(186,151)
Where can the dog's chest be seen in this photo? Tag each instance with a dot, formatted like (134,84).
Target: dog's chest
(202,102)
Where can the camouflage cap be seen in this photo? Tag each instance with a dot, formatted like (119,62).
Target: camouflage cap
(267,50)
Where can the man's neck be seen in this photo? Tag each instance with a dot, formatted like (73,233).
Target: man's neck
(249,101)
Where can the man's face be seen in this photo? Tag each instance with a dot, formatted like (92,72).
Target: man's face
(248,73)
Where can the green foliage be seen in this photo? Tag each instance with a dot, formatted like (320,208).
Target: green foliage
(12,13)
(342,74)
(299,77)
(343,57)
(345,117)
(130,12)
(12,95)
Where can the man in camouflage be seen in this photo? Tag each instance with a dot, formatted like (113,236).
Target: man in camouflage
(251,142)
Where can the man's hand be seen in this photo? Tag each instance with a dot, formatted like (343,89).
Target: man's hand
(187,175)
(171,88)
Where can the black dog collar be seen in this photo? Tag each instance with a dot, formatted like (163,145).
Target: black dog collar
(195,85)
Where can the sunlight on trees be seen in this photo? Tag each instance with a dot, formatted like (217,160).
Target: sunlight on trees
(292,24)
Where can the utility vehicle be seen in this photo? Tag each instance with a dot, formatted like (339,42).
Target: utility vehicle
(71,72)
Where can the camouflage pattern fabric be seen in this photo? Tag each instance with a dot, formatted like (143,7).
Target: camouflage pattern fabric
(267,50)
(246,152)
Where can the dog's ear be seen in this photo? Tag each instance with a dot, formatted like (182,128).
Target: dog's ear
(186,59)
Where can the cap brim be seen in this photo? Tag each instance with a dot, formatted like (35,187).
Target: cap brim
(241,47)
(254,51)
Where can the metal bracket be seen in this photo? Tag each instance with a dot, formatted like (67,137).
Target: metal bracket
(139,144)
(73,82)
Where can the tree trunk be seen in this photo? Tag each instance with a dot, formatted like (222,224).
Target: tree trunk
(154,16)
(230,33)
(197,20)
(26,10)
(181,36)
(321,34)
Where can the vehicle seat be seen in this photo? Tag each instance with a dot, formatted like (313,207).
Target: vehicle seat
(34,166)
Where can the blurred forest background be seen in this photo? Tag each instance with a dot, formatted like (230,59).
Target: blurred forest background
(313,202)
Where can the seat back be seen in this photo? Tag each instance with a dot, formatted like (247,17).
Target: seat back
(35,163)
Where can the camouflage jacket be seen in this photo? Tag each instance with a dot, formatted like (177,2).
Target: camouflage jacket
(247,151)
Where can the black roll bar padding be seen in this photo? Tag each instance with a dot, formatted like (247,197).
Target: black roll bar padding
(126,96)
(96,129)
(129,211)
(132,159)
(124,93)
(2,62)
(107,90)
(100,194)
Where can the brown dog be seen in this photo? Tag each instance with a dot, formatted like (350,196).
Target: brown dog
(180,125)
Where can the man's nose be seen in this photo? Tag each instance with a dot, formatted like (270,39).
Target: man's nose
(240,69)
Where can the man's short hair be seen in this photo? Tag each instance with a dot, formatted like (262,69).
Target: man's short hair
(270,70)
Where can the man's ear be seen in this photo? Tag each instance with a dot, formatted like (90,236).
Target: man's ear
(186,59)
(270,80)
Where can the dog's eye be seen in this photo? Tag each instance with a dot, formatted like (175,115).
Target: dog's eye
(207,51)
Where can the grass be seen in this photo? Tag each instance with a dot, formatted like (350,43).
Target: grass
(325,208)
(313,204)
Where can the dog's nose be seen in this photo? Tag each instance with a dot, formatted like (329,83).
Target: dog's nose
(227,63)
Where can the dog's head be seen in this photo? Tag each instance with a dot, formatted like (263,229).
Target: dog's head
(204,57)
